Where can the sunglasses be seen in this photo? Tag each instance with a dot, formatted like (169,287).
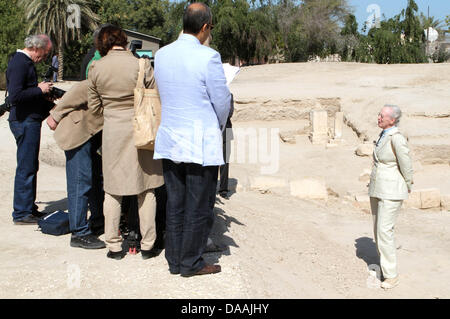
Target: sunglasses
(210,25)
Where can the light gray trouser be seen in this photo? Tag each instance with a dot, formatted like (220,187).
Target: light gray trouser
(384,213)
(147,213)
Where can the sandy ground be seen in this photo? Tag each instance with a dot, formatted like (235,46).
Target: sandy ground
(277,245)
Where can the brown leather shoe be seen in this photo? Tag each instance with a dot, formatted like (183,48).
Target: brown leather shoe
(207,270)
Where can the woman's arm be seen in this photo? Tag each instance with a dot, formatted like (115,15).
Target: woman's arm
(94,98)
(149,77)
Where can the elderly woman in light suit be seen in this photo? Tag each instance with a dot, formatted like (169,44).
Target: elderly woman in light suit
(390,183)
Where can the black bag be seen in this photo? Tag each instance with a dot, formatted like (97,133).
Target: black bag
(56,223)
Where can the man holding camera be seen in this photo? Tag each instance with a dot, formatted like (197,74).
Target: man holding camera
(30,105)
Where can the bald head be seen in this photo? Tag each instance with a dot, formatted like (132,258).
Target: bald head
(195,17)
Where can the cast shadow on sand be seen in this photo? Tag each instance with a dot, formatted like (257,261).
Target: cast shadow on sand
(221,226)
(53,206)
(367,250)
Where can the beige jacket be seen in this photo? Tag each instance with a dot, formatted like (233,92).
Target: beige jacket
(76,123)
(126,170)
(392,174)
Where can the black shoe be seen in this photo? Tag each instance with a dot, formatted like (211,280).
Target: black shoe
(118,255)
(224,194)
(97,231)
(27,220)
(87,242)
(38,214)
(146,254)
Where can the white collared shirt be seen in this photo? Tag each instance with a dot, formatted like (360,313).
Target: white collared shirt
(22,51)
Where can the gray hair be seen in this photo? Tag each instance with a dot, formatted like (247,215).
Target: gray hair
(37,41)
(396,113)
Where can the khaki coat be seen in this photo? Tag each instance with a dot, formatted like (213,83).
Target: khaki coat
(76,122)
(392,174)
(111,83)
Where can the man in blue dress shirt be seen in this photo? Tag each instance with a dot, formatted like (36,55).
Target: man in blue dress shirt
(195,106)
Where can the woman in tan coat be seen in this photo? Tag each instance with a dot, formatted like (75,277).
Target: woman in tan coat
(126,170)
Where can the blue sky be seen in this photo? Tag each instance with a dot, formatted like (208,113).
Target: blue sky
(438,8)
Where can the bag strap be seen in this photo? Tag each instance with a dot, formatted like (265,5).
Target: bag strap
(141,74)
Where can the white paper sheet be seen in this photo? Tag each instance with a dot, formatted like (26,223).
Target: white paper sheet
(230,72)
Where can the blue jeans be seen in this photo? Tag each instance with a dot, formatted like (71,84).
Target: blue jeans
(191,192)
(85,187)
(28,138)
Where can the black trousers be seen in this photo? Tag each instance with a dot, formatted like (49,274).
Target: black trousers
(191,192)
(224,169)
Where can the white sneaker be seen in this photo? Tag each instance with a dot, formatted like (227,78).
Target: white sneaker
(390,283)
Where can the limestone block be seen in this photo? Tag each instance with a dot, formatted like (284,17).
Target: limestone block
(240,188)
(338,125)
(430,198)
(288,137)
(445,202)
(413,200)
(309,188)
(365,149)
(365,176)
(363,201)
(319,125)
(267,183)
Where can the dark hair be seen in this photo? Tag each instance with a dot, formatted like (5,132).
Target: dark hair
(97,31)
(195,16)
(110,36)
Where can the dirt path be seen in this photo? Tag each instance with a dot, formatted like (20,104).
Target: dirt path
(278,246)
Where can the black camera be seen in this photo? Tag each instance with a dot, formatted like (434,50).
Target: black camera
(55,93)
(5,107)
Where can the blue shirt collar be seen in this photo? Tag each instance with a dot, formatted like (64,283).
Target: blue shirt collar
(388,129)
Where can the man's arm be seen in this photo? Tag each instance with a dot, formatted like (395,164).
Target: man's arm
(74,99)
(216,86)
(17,77)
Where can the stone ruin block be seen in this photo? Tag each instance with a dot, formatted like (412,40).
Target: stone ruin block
(319,125)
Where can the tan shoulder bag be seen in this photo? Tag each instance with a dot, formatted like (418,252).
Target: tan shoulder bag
(147,112)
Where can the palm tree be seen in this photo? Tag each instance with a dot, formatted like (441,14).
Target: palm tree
(55,18)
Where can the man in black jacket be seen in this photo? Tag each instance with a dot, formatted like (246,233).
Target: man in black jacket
(30,107)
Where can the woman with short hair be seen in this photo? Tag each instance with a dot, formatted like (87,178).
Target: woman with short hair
(126,169)
(390,182)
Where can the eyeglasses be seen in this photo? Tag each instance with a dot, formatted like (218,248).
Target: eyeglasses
(210,25)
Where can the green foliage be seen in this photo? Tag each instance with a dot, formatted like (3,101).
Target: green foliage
(440,55)
(12,30)
(351,26)
(400,39)
(248,31)
(51,17)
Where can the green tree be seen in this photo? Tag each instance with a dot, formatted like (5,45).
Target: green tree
(320,22)
(350,38)
(52,18)
(230,31)
(12,30)
(397,40)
